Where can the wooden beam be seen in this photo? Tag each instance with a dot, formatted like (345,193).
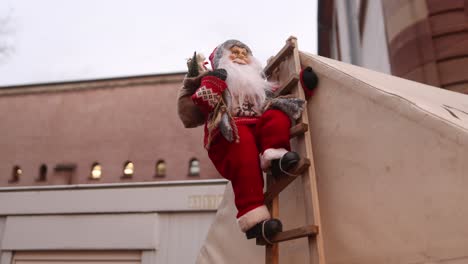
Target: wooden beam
(287,87)
(298,129)
(309,179)
(275,62)
(304,231)
(272,251)
(325,20)
(362,17)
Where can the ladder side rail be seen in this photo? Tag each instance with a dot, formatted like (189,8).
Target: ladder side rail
(309,178)
(284,68)
(282,71)
(271,70)
(272,250)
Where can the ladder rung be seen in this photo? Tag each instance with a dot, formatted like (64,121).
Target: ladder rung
(275,62)
(304,231)
(284,180)
(288,85)
(298,129)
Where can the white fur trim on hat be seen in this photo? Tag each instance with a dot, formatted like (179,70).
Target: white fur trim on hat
(269,155)
(253,217)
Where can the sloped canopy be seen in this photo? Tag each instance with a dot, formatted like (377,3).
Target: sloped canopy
(391,156)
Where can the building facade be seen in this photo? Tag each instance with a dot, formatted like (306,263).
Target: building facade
(147,223)
(100,131)
(102,171)
(420,40)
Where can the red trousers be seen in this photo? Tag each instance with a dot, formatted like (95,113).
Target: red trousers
(240,162)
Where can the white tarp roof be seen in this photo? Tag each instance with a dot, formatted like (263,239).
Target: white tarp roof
(391,159)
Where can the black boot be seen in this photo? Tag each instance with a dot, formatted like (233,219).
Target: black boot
(265,229)
(285,164)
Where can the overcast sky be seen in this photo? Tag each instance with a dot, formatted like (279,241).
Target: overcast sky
(59,40)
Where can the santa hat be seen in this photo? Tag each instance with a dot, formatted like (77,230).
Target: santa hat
(217,53)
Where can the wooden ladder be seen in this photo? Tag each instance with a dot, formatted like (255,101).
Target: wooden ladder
(284,68)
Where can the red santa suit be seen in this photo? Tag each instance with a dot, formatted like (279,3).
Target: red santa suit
(260,134)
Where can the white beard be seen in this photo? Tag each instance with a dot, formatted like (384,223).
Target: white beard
(245,82)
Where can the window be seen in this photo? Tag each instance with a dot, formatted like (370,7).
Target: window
(96,171)
(160,168)
(42,173)
(194,167)
(77,256)
(15,174)
(128,169)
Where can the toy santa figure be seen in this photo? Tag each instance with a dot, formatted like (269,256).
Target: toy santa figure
(246,129)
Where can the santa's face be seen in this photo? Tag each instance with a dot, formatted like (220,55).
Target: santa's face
(239,55)
(244,76)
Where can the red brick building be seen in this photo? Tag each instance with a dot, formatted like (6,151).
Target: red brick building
(420,40)
(98,131)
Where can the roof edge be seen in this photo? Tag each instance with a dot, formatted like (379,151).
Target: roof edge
(117,82)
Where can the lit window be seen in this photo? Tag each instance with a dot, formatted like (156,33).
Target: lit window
(194,167)
(96,171)
(16,174)
(128,169)
(42,173)
(161,168)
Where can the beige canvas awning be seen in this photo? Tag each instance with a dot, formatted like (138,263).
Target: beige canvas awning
(391,156)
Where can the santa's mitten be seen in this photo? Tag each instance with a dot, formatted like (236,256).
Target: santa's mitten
(219,73)
(191,84)
(309,81)
(208,95)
